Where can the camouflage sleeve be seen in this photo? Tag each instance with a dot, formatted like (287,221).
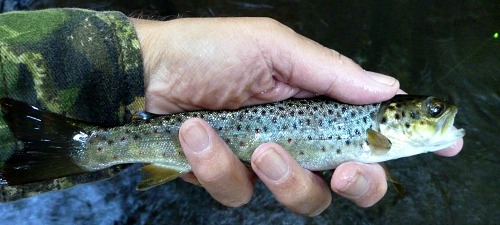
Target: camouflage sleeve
(83,64)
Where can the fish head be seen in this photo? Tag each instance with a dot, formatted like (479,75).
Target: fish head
(418,124)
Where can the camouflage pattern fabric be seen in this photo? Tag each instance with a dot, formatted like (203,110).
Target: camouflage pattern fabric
(84,64)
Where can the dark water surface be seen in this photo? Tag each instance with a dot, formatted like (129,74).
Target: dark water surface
(443,48)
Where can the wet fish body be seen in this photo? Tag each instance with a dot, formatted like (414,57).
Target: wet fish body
(319,133)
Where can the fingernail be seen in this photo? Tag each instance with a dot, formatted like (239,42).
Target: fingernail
(272,165)
(353,183)
(381,78)
(195,137)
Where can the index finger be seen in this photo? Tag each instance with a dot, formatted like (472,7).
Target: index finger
(305,64)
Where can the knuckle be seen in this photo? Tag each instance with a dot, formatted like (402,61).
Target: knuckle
(302,196)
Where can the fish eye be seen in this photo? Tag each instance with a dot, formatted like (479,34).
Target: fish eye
(436,108)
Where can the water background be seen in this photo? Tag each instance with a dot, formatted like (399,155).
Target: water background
(443,48)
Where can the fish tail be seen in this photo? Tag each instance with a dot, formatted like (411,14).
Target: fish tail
(45,143)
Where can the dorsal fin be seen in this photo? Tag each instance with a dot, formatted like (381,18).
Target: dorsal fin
(143,116)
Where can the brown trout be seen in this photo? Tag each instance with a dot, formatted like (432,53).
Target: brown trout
(319,133)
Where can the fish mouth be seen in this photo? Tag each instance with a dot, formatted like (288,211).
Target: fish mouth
(447,120)
(446,127)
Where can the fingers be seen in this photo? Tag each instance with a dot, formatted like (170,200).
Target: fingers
(452,150)
(310,66)
(217,169)
(296,188)
(363,184)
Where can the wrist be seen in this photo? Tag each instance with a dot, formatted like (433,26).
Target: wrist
(145,30)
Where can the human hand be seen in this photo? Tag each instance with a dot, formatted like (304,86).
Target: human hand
(227,63)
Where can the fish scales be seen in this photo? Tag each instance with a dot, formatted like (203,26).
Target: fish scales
(318,133)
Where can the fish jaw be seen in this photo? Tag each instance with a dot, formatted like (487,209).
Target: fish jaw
(414,125)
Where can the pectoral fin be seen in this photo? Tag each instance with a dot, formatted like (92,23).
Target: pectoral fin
(379,144)
(154,175)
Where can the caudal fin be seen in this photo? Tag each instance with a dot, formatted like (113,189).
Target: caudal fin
(46,141)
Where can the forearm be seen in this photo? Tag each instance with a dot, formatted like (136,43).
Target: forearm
(83,63)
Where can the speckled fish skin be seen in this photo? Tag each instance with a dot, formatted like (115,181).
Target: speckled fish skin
(319,133)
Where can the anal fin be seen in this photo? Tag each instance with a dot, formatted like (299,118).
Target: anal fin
(379,144)
(154,175)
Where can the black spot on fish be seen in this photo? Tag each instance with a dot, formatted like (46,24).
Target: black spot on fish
(255,110)
(403,114)
(265,129)
(308,122)
(110,142)
(407,125)
(238,127)
(320,122)
(344,109)
(357,132)
(123,139)
(257,130)
(301,153)
(399,105)
(242,144)
(339,151)
(323,149)
(240,117)
(383,120)
(136,137)
(300,112)
(397,116)
(289,140)
(274,120)
(284,127)
(219,128)
(99,149)
(281,108)
(292,113)
(330,137)
(263,112)
(353,114)
(364,119)
(315,108)
(348,142)
(294,126)
(392,107)
(338,137)
(330,112)
(309,137)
